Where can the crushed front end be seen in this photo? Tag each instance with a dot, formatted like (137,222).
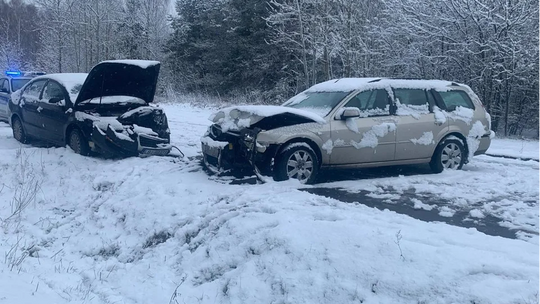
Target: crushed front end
(143,132)
(236,151)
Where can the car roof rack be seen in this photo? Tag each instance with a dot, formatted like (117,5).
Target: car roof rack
(375,80)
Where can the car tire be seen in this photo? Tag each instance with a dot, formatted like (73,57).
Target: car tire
(18,131)
(78,143)
(298,161)
(449,155)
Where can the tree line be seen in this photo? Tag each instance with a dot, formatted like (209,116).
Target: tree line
(272,49)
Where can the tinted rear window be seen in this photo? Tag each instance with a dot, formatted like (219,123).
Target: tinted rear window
(454,99)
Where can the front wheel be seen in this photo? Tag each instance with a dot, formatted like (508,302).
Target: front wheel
(449,155)
(297,161)
(78,143)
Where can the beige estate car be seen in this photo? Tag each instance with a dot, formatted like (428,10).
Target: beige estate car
(351,123)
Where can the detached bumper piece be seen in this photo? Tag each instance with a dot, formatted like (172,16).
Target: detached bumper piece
(112,143)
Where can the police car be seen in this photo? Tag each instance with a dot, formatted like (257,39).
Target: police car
(10,82)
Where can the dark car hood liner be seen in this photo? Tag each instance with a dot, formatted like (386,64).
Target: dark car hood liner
(262,117)
(121,78)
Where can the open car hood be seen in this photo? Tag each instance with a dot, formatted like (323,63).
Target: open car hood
(264,117)
(134,78)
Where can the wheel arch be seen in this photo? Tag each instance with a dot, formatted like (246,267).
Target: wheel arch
(70,128)
(14,116)
(463,140)
(306,140)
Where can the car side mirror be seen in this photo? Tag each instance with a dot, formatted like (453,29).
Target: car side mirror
(55,100)
(350,113)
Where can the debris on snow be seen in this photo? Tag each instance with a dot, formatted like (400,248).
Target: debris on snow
(418,204)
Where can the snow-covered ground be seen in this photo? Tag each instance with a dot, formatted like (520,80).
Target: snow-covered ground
(525,149)
(159,230)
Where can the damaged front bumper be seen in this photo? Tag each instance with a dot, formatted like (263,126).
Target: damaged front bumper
(236,152)
(127,143)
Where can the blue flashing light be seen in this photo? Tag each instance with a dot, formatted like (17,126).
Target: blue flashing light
(13,73)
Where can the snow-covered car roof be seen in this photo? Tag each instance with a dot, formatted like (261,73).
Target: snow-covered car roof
(71,81)
(353,84)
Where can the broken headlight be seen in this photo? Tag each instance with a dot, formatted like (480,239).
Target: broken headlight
(249,137)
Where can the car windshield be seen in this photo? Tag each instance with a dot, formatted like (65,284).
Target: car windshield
(320,103)
(17,84)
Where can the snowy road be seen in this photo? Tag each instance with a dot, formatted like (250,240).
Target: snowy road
(157,230)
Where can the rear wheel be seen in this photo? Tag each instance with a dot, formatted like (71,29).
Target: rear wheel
(18,131)
(449,155)
(297,161)
(78,143)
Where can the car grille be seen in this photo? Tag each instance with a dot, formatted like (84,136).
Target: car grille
(150,141)
(215,131)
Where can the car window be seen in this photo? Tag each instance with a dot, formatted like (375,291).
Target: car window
(4,85)
(17,84)
(33,90)
(372,102)
(412,97)
(454,99)
(53,90)
(411,102)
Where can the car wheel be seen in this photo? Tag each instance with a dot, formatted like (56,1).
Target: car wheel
(18,131)
(297,161)
(449,155)
(78,143)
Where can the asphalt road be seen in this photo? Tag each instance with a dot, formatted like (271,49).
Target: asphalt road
(488,224)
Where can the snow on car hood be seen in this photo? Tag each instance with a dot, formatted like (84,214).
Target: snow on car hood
(239,117)
(134,78)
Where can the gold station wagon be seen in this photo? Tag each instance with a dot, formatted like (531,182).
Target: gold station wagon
(351,123)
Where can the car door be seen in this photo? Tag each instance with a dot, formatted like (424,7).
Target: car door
(366,139)
(4,98)
(418,128)
(52,105)
(29,103)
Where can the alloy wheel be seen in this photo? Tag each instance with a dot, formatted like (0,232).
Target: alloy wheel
(300,165)
(451,156)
